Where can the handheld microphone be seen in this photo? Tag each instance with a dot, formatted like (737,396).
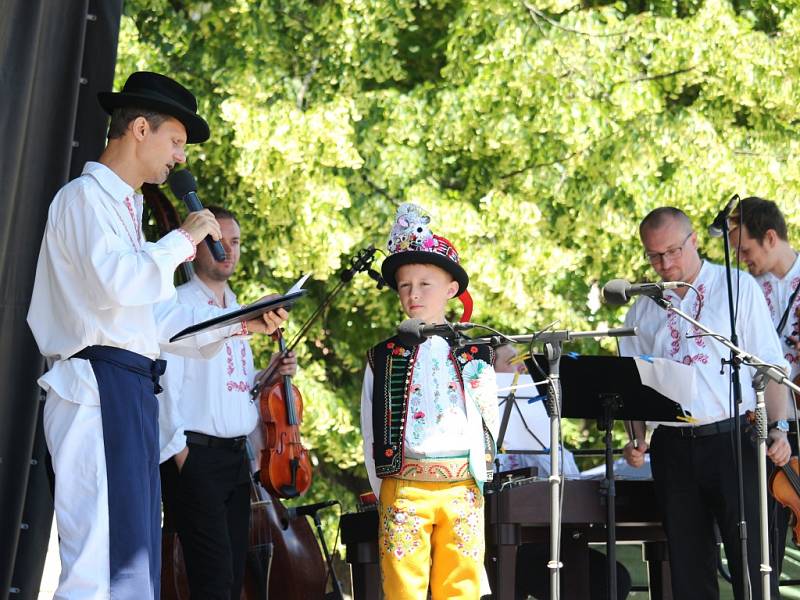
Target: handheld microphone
(618,291)
(715,229)
(413,332)
(184,186)
(308,509)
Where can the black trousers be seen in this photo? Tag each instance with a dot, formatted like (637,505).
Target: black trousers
(695,481)
(208,503)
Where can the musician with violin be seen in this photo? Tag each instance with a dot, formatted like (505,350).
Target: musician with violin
(429,418)
(693,464)
(205,415)
(760,239)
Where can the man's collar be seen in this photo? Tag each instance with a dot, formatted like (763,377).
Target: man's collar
(230,297)
(112,183)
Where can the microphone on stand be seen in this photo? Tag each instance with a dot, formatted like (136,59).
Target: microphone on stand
(308,510)
(413,332)
(184,186)
(618,291)
(715,229)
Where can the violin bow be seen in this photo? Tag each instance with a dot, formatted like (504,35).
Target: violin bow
(360,263)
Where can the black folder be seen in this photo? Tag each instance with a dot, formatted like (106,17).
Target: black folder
(246,313)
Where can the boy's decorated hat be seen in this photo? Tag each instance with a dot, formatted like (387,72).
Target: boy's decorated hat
(412,242)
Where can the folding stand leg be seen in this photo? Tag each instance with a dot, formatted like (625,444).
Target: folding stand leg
(611,402)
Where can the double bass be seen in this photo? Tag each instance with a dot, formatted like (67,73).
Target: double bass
(283,556)
(288,546)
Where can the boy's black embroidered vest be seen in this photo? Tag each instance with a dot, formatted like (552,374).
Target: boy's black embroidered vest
(393,364)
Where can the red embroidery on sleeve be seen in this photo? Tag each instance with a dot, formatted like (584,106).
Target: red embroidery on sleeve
(185,234)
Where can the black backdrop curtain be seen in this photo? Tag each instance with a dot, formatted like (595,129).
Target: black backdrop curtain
(54,58)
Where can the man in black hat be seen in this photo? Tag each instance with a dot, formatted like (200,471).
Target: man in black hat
(103,301)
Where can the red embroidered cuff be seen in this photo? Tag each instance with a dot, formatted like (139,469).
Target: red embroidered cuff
(245,331)
(185,234)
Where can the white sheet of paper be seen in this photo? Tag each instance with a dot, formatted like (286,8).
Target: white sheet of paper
(535,415)
(298,284)
(668,377)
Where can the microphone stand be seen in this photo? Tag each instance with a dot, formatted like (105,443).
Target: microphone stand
(553,341)
(764,371)
(737,397)
(360,263)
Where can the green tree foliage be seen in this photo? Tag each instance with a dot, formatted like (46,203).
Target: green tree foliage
(537,134)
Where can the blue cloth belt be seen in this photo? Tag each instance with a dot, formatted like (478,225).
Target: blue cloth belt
(125,359)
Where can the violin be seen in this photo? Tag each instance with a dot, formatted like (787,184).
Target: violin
(285,464)
(784,485)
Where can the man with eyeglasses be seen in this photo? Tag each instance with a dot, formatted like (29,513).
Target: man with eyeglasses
(693,464)
(760,239)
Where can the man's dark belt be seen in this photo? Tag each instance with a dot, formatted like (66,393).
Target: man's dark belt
(125,359)
(210,441)
(725,426)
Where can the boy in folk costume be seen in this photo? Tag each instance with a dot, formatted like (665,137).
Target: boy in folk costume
(429,419)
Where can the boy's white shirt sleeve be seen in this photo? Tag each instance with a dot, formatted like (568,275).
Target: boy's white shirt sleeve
(366,431)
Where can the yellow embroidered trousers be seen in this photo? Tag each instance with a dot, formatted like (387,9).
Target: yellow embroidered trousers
(431,534)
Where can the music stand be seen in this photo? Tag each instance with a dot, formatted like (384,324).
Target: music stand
(608,388)
(526,392)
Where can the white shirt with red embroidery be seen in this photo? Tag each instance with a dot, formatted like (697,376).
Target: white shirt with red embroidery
(777,292)
(208,396)
(663,335)
(98,282)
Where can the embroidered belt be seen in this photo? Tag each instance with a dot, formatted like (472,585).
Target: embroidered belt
(435,469)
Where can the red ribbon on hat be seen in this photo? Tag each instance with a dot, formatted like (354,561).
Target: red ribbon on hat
(466,301)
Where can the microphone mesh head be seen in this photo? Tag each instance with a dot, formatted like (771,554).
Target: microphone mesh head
(181,183)
(615,292)
(408,332)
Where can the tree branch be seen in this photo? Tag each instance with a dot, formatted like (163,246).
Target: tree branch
(536,13)
(301,94)
(653,77)
(376,188)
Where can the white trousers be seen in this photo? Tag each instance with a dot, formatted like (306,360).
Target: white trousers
(74,434)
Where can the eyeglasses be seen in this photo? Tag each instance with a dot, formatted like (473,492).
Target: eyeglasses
(672,253)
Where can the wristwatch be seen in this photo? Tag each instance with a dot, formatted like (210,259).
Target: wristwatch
(780,425)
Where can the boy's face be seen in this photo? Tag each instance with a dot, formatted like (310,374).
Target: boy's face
(424,291)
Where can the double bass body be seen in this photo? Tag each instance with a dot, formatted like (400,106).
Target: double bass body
(284,561)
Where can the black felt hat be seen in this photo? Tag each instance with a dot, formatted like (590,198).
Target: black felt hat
(161,94)
(411,242)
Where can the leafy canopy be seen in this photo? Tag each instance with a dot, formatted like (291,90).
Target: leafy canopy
(537,134)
